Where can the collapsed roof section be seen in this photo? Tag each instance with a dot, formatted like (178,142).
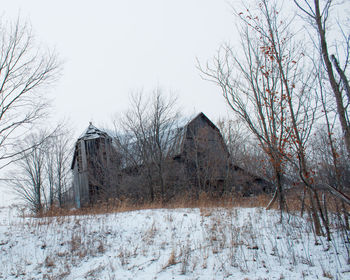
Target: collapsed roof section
(92,133)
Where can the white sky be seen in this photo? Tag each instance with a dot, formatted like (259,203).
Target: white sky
(112,48)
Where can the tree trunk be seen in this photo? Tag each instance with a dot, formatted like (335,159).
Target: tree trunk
(315,217)
(335,88)
(280,195)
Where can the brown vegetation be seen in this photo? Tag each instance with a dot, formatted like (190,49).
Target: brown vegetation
(293,198)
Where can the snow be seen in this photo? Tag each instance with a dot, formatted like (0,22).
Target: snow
(235,243)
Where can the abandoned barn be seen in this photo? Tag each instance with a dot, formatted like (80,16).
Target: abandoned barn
(196,160)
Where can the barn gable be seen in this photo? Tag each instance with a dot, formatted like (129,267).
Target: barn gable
(192,132)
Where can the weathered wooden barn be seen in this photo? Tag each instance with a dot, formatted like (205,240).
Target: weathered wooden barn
(91,160)
(201,159)
(197,161)
(201,155)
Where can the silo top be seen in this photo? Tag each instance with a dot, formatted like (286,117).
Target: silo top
(92,133)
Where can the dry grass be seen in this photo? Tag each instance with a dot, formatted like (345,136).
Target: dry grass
(172,259)
(222,239)
(204,201)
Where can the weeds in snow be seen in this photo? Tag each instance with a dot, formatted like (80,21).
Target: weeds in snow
(221,242)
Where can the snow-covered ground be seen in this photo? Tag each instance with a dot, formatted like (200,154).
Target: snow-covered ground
(237,243)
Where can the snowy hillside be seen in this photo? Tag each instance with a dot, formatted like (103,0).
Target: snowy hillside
(238,243)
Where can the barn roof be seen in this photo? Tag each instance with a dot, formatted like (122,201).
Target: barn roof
(175,139)
(180,134)
(204,117)
(90,133)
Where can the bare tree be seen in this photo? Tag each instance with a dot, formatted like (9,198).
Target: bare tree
(28,180)
(237,139)
(151,124)
(279,87)
(42,173)
(320,15)
(317,14)
(329,149)
(25,70)
(58,150)
(253,83)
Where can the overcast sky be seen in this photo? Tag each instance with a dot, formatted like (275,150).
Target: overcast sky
(112,48)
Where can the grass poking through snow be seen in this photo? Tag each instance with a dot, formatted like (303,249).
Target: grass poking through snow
(199,243)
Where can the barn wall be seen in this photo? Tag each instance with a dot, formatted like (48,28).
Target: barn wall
(80,177)
(204,157)
(204,144)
